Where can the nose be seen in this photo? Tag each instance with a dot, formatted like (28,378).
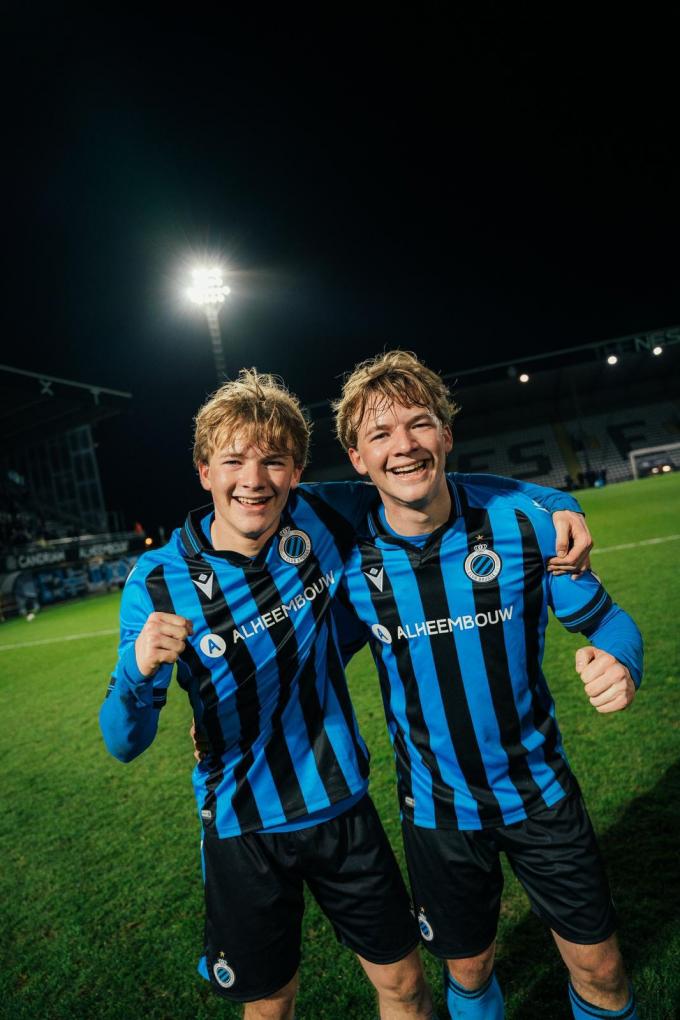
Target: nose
(403,440)
(253,474)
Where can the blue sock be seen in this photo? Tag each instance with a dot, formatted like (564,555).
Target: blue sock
(485,1003)
(583,1010)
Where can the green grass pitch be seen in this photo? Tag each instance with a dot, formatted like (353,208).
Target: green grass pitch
(99,862)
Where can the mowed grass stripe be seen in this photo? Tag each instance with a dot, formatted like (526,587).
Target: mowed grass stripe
(637,545)
(56,640)
(100,881)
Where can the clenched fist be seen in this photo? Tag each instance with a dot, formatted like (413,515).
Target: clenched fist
(162,639)
(607,681)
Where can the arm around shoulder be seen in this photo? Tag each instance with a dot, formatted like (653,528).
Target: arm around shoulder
(545,497)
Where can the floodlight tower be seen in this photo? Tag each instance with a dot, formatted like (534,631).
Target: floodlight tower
(209,291)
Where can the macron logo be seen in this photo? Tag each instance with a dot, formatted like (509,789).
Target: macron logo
(375,574)
(539,507)
(205,583)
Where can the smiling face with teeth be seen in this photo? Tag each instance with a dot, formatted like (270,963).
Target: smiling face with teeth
(403,450)
(249,488)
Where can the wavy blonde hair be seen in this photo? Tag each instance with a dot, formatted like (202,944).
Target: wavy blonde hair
(393,377)
(261,410)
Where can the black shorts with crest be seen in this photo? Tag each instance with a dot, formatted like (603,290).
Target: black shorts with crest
(254,900)
(457,881)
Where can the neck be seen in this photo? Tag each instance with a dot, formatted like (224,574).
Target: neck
(225,539)
(407,519)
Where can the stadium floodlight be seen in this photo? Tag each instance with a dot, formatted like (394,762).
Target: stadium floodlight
(612,359)
(209,292)
(657,350)
(524,377)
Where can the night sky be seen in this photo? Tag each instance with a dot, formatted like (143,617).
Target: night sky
(472,187)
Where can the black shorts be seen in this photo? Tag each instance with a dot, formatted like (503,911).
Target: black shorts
(254,899)
(456,879)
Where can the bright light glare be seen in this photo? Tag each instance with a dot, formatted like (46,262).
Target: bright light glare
(657,350)
(148,541)
(524,377)
(209,287)
(612,359)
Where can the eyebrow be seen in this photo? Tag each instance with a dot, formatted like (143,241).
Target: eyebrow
(274,454)
(380,423)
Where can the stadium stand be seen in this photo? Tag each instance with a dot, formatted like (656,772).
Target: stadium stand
(571,425)
(57,539)
(598,444)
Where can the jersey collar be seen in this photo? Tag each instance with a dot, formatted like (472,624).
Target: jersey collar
(379,531)
(197,546)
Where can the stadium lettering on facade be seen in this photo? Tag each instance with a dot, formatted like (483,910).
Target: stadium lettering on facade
(40,559)
(103,549)
(282,611)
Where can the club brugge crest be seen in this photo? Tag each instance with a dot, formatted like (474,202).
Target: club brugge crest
(426,929)
(224,974)
(294,545)
(482,564)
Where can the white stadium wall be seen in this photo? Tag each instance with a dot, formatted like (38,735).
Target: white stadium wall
(546,453)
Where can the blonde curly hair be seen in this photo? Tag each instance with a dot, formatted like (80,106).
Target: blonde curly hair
(261,410)
(393,377)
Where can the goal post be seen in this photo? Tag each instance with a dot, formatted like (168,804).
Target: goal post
(654,460)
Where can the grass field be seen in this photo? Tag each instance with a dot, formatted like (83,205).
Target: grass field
(99,864)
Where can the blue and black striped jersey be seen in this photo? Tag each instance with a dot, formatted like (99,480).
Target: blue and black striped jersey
(456,623)
(262,668)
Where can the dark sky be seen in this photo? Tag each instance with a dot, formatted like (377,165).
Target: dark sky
(472,187)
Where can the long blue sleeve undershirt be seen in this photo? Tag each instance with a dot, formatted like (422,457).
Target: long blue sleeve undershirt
(618,634)
(128,717)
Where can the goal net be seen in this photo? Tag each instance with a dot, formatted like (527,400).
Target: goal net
(655,460)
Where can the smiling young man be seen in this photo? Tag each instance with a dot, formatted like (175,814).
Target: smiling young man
(240,600)
(449,576)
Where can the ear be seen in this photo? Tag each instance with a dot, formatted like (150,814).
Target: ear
(297,475)
(448,438)
(357,462)
(204,475)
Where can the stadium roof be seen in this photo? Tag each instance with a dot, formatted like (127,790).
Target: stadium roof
(572,383)
(568,357)
(35,404)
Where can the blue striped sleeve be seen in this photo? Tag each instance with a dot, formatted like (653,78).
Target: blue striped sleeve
(584,606)
(549,499)
(129,715)
(618,634)
(352,500)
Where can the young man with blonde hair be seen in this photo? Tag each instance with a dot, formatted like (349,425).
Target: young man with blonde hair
(239,600)
(449,577)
